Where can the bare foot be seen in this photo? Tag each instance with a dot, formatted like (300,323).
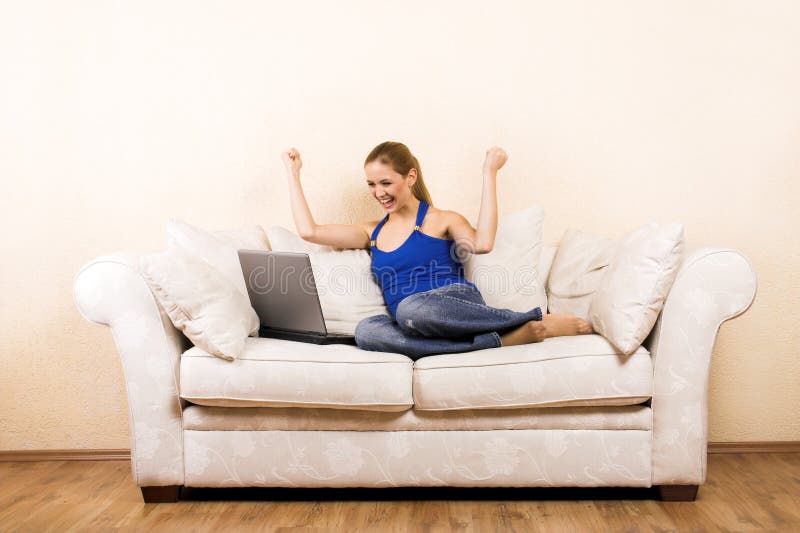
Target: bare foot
(531,331)
(551,325)
(561,325)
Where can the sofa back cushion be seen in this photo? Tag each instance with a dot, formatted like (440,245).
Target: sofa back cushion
(546,267)
(578,268)
(510,276)
(218,248)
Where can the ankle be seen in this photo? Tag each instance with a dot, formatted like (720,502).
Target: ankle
(538,330)
(546,326)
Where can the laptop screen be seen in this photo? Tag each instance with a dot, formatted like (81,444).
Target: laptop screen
(282,290)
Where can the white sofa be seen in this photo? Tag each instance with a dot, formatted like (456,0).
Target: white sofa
(569,411)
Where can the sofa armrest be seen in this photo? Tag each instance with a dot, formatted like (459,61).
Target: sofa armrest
(110,291)
(712,285)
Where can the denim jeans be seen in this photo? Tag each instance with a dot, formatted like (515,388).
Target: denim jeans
(449,319)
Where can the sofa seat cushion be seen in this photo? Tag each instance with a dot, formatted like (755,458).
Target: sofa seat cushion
(582,370)
(280,373)
(203,418)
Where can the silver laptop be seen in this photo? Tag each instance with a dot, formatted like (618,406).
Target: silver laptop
(284,295)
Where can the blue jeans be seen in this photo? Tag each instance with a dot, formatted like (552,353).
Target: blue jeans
(449,319)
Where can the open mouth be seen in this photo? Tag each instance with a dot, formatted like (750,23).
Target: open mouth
(387,203)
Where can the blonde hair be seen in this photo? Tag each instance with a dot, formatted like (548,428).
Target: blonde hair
(399,157)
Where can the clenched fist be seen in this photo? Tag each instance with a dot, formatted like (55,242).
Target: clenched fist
(496,157)
(291,160)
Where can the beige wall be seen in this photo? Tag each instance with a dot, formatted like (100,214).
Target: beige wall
(115,116)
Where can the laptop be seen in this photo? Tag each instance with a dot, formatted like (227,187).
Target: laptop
(284,295)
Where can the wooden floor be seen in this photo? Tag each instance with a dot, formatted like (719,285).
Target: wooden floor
(744,492)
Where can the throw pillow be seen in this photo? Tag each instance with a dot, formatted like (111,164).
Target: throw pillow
(508,277)
(200,301)
(248,237)
(632,293)
(580,263)
(347,289)
(218,249)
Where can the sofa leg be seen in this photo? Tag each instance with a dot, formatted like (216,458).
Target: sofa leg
(677,493)
(165,494)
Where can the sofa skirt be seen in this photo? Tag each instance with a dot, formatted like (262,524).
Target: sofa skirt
(495,458)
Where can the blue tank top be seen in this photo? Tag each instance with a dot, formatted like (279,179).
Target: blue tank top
(421,263)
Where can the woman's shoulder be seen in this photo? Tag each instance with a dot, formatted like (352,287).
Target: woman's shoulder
(445,216)
(436,212)
(369,225)
(442,221)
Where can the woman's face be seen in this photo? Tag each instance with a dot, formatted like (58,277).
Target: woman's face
(389,188)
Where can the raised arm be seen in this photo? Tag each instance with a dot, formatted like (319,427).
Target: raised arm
(481,240)
(335,235)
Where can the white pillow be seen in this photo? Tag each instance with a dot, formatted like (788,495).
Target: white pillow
(579,266)
(632,292)
(347,289)
(546,264)
(248,237)
(218,249)
(200,301)
(508,277)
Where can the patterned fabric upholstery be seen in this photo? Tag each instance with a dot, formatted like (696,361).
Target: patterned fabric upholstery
(560,371)
(111,291)
(712,286)
(279,373)
(563,447)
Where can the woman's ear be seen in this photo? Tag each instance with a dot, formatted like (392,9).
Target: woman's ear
(412,177)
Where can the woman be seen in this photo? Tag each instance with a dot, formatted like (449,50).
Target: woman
(415,249)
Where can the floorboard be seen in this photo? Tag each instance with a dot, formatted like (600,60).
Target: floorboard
(743,492)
